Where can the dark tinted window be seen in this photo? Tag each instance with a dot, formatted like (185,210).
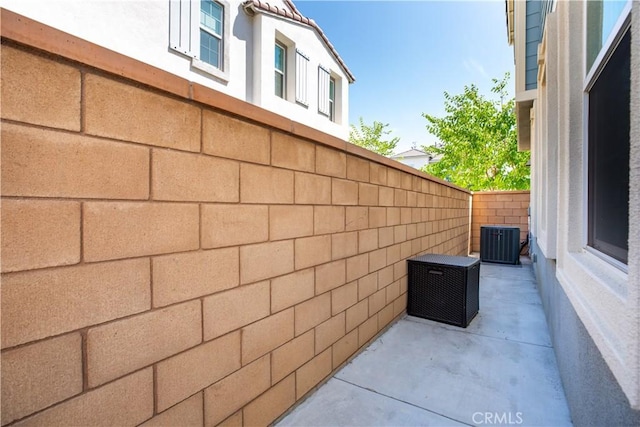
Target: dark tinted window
(609,155)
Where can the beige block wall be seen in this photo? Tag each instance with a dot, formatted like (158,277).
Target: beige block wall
(499,208)
(172,255)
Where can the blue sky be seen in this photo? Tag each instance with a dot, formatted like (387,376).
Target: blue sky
(405,54)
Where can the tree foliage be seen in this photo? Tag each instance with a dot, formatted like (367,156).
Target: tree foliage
(374,137)
(478,142)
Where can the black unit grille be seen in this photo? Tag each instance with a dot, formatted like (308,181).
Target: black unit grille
(444,292)
(473,292)
(500,244)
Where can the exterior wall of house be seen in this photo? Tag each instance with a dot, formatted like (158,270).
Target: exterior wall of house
(533,36)
(174,256)
(592,305)
(140,29)
(593,393)
(520,22)
(544,156)
(517,22)
(499,208)
(293,36)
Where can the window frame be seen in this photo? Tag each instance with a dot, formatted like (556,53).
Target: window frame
(184,36)
(607,48)
(332,98)
(283,72)
(618,31)
(210,31)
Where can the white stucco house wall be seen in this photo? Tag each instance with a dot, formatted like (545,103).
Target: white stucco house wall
(227,45)
(578,112)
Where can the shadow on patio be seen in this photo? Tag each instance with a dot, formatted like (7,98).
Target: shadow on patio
(500,370)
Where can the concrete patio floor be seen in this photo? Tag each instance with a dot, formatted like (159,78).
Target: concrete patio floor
(500,370)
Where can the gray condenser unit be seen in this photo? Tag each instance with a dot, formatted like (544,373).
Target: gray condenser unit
(500,244)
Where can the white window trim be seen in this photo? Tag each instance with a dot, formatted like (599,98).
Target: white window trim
(617,32)
(184,35)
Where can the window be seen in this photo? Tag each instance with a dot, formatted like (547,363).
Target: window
(601,18)
(280,70)
(332,99)
(608,112)
(200,30)
(211,22)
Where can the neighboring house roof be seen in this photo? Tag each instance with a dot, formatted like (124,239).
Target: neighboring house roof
(294,14)
(411,153)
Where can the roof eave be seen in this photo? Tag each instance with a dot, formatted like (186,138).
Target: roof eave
(509,16)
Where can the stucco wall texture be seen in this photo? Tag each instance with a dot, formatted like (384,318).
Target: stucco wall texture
(499,208)
(593,394)
(171,256)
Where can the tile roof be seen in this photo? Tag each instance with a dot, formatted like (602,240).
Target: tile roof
(294,14)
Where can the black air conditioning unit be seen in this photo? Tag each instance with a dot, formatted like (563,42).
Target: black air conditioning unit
(500,244)
(444,288)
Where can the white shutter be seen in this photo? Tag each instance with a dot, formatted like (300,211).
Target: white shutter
(302,63)
(323,90)
(184,18)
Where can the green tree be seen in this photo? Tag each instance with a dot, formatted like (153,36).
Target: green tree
(478,148)
(374,138)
